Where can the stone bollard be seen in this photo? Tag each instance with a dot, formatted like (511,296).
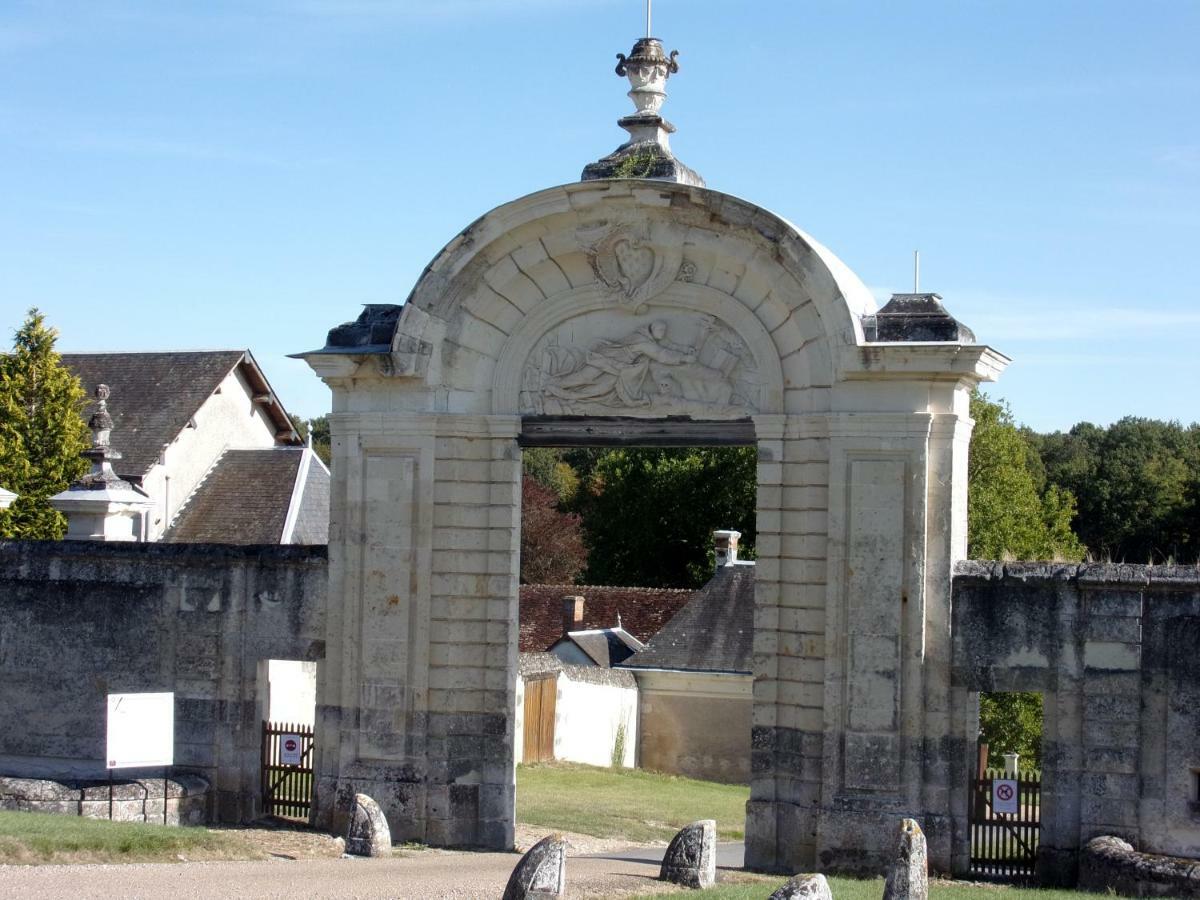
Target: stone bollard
(691,857)
(368,833)
(908,878)
(542,872)
(804,887)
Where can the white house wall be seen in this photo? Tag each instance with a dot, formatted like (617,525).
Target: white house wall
(228,418)
(586,720)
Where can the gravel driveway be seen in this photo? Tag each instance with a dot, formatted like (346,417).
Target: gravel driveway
(420,875)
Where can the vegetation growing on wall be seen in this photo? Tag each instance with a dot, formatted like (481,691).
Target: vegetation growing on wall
(42,431)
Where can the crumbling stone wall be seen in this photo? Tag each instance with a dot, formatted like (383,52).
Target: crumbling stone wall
(1115,649)
(79,620)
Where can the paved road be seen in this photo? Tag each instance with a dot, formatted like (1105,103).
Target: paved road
(729,856)
(424,875)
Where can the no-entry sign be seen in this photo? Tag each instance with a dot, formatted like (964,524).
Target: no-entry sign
(289,749)
(1004,796)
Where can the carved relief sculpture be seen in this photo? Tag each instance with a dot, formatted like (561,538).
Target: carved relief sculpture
(644,373)
(631,262)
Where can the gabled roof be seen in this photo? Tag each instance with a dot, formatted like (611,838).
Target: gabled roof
(643,611)
(250,497)
(606,647)
(713,633)
(155,395)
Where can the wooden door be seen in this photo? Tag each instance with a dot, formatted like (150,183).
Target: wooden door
(540,698)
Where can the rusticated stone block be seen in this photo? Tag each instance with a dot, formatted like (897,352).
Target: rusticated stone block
(804,887)
(542,872)
(908,878)
(691,857)
(368,833)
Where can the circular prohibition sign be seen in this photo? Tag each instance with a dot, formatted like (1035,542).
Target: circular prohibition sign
(1004,792)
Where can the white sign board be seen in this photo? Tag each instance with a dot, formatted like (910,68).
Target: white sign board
(141,730)
(1004,796)
(289,749)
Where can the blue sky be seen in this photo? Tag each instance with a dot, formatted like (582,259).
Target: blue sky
(246,173)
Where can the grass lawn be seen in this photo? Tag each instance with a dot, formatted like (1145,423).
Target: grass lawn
(758,888)
(628,803)
(40,838)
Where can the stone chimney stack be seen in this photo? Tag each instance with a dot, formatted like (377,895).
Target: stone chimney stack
(572,614)
(725,544)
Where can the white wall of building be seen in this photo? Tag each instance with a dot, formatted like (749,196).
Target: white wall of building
(228,418)
(586,721)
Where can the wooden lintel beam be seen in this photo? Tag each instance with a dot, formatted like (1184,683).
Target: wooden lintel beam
(619,431)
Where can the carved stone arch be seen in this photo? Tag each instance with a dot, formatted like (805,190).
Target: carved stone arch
(632,244)
(664,300)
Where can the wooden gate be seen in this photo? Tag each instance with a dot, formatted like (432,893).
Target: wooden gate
(1004,845)
(287,786)
(541,696)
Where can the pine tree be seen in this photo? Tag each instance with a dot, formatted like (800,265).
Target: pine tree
(42,431)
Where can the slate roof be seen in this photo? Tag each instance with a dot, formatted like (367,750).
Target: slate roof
(154,395)
(643,611)
(534,665)
(244,500)
(714,632)
(606,647)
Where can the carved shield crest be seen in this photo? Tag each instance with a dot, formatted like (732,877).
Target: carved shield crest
(634,262)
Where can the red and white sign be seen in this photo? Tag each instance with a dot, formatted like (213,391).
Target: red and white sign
(289,749)
(1004,796)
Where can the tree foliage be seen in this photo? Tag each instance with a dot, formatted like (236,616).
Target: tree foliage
(552,550)
(42,431)
(1137,484)
(649,514)
(1007,516)
(1011,722)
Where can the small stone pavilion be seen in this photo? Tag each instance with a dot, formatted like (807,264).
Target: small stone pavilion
(638,306)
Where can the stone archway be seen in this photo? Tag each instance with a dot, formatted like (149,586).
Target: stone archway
(655,304)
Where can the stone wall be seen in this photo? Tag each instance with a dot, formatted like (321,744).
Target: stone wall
(696,724)
(80,620)
(1114,650)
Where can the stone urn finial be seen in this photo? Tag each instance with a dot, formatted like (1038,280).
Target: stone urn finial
(647,67)
(101,454)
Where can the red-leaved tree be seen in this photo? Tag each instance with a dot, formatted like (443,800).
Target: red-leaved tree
(552,550)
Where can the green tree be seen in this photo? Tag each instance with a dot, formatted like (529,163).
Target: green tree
(549,468)
(1007,517)
(1011,722)
(1137,484)
(42,431)
(649,514)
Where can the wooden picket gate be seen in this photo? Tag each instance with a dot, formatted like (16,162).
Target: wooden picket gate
(287,787)
(1004,845)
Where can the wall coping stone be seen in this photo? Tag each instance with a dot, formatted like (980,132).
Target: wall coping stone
(1111,864)
(1087,575)
(163,552)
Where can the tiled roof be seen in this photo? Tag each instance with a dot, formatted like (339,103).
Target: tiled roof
(713,633)
(154,395)
(243,500)
(606,647)
(643,611)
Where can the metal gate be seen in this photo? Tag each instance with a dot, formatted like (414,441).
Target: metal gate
(287,769)
(1004,845)
(541,697)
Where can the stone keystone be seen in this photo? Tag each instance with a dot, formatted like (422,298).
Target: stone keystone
(542,872)
(368,833)
(691,858)
(908,878)
(804,887)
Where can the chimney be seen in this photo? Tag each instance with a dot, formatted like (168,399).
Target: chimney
(725,544)
(572,612)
